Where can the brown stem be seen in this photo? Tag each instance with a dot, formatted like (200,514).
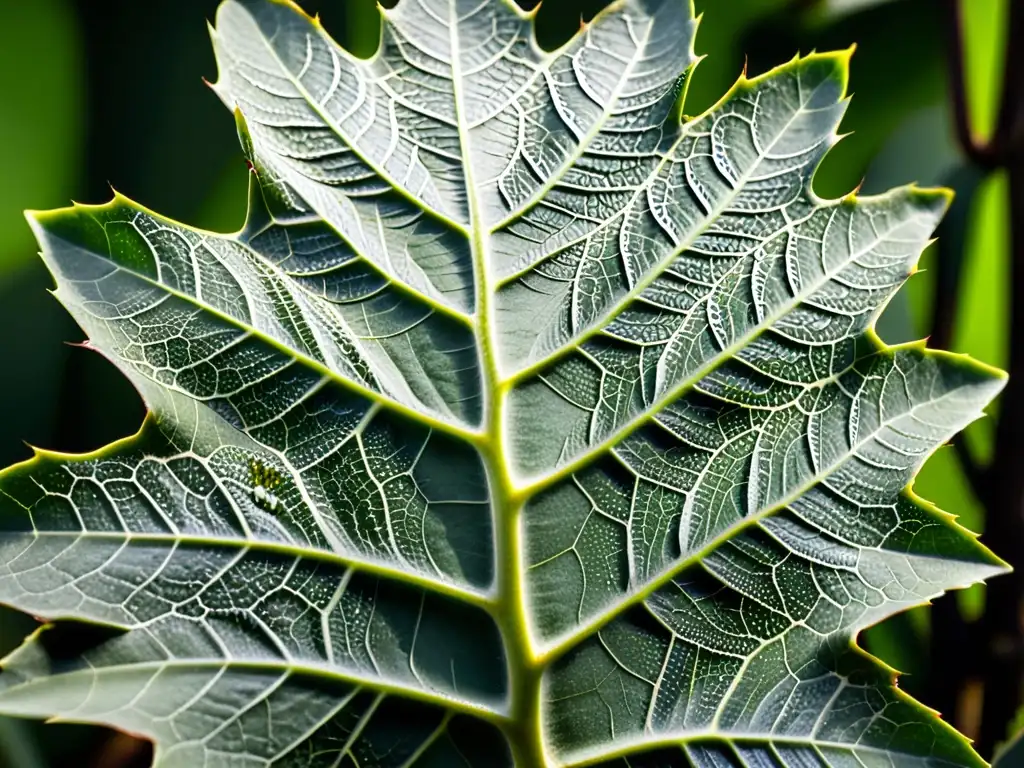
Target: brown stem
(1000,637)
(953,660)
(1003,633)
(951,664)
(122,750)
(1008,142)
(1009,130)
(1003,649)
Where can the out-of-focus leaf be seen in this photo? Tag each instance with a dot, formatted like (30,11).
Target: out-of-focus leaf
(983,312)
(1011,754)
(362,27)
(724,30)
(888,91)
(985,32)
(982,326)
(40,151)
(18,746)
(836,9)
(41,136)
(924,149)
(40,121)
(223,208)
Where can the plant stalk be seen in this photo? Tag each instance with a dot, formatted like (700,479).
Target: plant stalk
(1002,628)
(1000,639)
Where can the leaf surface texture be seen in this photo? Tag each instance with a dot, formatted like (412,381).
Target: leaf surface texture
(525,422)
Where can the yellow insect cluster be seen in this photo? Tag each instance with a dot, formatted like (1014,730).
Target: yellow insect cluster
(264,480)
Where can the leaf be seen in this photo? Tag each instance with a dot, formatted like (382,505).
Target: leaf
(43,153)
(523,423)
(833,8)
(985,42)
(1011,753)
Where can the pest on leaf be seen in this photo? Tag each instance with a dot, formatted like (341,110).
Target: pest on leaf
(263,480)
(600,459)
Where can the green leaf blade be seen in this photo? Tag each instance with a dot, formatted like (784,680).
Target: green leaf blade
(524,422)
(296,717)
(224,597)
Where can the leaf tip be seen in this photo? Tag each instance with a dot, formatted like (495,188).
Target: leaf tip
(830,65)
(41,221)
(840,61)
(996,377)
(940,197)
(32,216)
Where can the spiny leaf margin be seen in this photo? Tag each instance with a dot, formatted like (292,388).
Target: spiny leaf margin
(171,409)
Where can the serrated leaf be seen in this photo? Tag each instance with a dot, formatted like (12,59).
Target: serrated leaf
(524,423)
(1010,753)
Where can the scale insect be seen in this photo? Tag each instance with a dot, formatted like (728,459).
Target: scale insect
(264,480)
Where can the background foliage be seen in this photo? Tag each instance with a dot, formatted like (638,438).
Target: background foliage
(108,92)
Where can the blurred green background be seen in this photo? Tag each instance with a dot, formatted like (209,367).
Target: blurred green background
(101,93)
